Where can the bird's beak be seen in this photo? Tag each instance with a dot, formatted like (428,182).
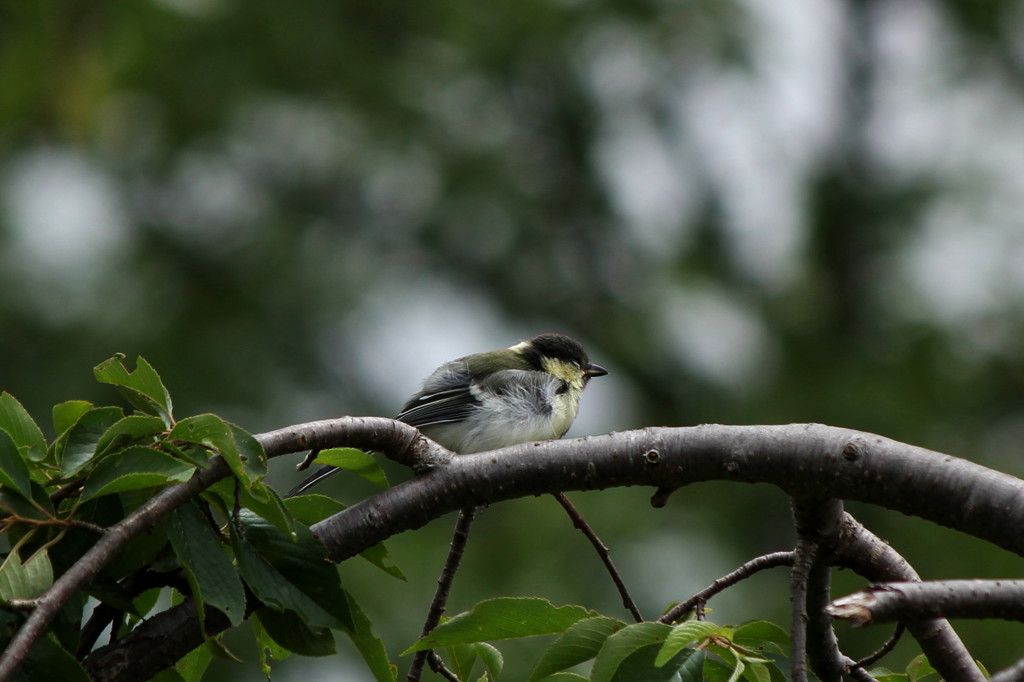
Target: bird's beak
(595,371)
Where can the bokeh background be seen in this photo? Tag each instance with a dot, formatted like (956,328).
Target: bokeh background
(750,211)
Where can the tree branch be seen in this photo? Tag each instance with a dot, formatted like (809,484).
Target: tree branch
(460,536)
(934,599)
(862,551)
(802,459)
(814,642)
(399,441)
(602,551)
(748,569)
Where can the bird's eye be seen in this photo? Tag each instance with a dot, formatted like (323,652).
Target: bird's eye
(563,387)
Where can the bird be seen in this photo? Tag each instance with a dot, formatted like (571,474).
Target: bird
(527,392)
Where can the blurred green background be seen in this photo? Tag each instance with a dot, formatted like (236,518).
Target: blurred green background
(749,211)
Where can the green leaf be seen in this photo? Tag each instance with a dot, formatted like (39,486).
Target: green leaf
(132,469)
(356,461)
(759,633)
(28,580)
(291,632)
(491,658)
(84,436)
(619,646)
(565,677)
(14,474)
(757,672)
(579,643)
(128,431)
(639,665)
(310,509)
(717,671)
(266,645)
(192,666)
(692,669)
(210,572)
(229,441)
(461,658)
(142,388)
(22,429)
(683,635)
(370,647)
(314,508)
(67,413)
(290,574)
(503,618)
(48,661)
(919,668)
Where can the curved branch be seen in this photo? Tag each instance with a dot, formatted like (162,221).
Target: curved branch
(400,441)
(862,551)
(748,569)
(802,459)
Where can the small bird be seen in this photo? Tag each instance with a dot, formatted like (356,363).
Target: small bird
(528,392)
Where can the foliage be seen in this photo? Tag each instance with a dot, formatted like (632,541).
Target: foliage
(240,535)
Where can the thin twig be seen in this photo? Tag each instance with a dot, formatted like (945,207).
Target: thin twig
(602,551)
(67,490)
(748,569)
(444,585)
(438,666)
(308,459)
(889,645)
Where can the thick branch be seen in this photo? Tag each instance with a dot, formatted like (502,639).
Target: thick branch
(817,526)
(939,599)
(862,551)
(802,459)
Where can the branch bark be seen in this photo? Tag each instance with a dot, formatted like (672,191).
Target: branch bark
(935,599)
(804,460)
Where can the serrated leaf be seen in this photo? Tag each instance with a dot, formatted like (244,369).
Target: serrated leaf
(356,461)
(266,646)
(758,632)
(84,436)
(192,666)
(683,635)
(310,509)
(919,668)
(240,451)
(579,643)
(28,580)
(128,431)
(291,632)
(692,669)
(492,659)
(14,473)
(370,647)
(22,429)
(142,388)
(210,572)
(134,468)
(757,672)
(67,413)
(48,660)
(619,646)
(503,618)
(290,574)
